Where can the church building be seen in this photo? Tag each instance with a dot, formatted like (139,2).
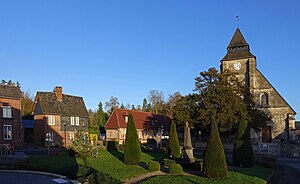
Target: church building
(243,63)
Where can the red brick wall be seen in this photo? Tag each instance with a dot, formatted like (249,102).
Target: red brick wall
(15,121)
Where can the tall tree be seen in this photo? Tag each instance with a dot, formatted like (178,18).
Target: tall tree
(111,104)
(145,104)
(100,115)
(171,102)
(156,98)
(132,149)
(221,94)
(26,103)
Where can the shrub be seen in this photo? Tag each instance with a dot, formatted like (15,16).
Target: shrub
(214,165)
(168,162)
(81,145)
(174,147)
(132,149)
(97,177)
(83,173)
(175,169)
(112,146)
(243,155)
(153,166)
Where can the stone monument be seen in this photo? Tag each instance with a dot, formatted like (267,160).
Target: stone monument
(187,146)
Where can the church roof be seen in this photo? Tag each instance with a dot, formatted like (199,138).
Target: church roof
(238,47)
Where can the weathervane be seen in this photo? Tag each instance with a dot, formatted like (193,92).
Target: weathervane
(237,20)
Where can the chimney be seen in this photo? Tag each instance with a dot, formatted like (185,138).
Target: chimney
(58,92)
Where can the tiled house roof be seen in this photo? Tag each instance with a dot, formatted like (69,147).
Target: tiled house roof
(70,105)
(7,91)
(142,120)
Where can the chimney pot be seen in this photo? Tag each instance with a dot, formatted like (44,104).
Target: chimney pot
(58,92)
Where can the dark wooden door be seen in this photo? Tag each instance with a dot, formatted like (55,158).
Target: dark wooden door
(266,134)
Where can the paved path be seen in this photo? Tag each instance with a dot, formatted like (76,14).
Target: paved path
(287,171)
(30,178)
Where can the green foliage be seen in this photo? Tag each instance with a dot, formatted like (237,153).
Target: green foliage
(112,146)
(243,155)
(168,162)
(175,169)
(174,146)
(132,150)
(153,166)
(94,129)
(81,144)
(97,177)
(214,165)
(219,94)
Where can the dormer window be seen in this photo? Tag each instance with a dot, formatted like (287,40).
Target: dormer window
(6,112)
(264,101)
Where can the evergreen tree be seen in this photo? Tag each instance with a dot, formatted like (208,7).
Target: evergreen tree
(132,149)
(243,155)
(214,165)
(174,146)
(144,107)
(81,145)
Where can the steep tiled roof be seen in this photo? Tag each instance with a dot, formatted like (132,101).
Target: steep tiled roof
(238,48)
(7,91)
(142,120)
(70,105)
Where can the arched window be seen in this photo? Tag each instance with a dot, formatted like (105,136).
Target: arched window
(264,101)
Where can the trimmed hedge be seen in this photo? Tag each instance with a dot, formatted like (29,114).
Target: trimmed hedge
(175,169)
(153,166)
(214,165)
(168,162)
(132,148)
(174,147)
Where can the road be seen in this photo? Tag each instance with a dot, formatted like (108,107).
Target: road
(287,171)
(29,178)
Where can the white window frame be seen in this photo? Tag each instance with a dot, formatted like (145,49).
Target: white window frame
(8,135)
(49,137)
(71,136)
(77,121)
(51,120)
(6,111)
(72,120)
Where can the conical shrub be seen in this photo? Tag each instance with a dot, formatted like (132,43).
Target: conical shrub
(214,165)
(132,149)
(243,155)
(174,146)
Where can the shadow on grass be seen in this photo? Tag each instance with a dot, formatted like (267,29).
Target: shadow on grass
(117,154)
(257,171)
(157,156)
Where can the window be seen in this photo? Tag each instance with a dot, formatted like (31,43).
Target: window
(72,120)
(264,99)
(6,111)
(77,121)
(7,132)
(51,120)
(49,136)
(126,119)
(71,136)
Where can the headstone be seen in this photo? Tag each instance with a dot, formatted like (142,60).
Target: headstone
(187,146)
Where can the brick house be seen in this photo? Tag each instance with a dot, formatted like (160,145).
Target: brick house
(147,125)
(57,118)
(11,130)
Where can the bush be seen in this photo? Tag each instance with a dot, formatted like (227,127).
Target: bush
(153,166)
(175,169)
(174,147)
(214,165)
(132,148)
(243,155)
(168,162)
(112,146)
(98,177)
(83,173)
(81,145)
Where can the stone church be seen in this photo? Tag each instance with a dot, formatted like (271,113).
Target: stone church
(243,63)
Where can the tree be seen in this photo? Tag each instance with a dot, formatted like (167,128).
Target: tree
(133,107)
(214,165)
(26,103)
(100,115)
(132,149)
(243,155)
(156,98)
(145,104)
(174,146)
(220,94)
(111,104)
(172,102)
(81,145)
(138,107)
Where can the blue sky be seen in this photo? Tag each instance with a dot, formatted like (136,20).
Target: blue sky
(98,49)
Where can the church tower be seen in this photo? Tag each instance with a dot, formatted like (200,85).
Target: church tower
(242,62)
